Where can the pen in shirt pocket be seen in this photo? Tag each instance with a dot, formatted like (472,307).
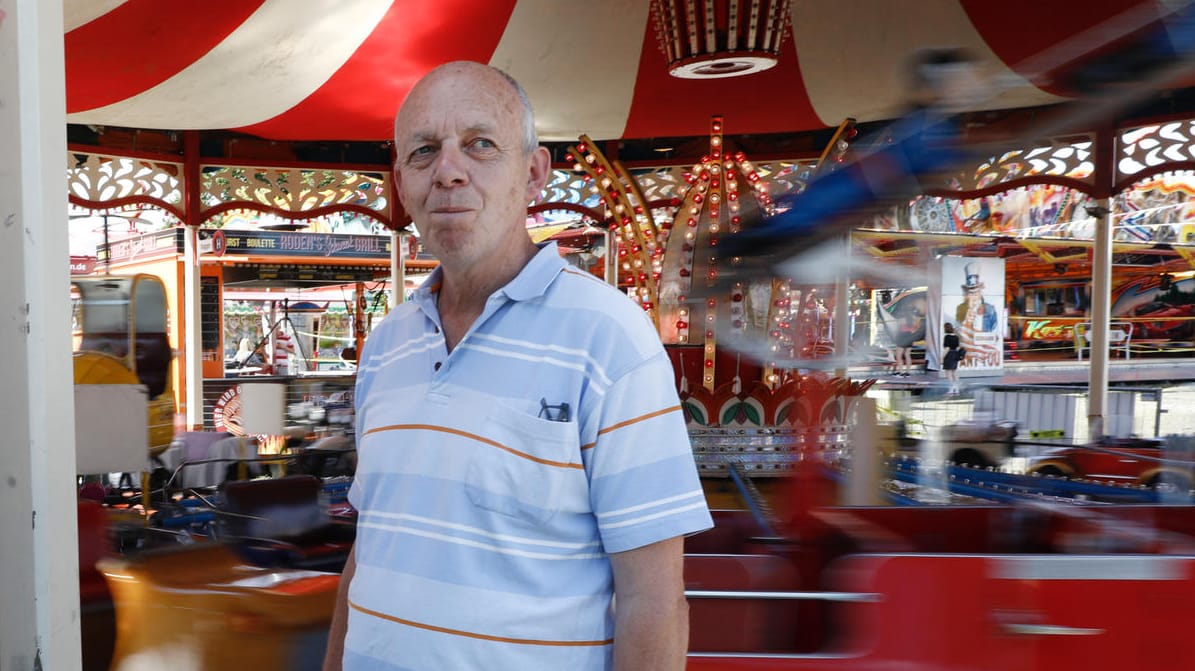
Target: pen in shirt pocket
(553,413)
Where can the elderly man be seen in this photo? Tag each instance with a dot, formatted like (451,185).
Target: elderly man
(522,457)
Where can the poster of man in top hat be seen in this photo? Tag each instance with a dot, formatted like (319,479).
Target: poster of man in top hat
(974,311)
(976,319)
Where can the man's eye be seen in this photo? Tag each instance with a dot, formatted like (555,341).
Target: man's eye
(482,143)
(423,151)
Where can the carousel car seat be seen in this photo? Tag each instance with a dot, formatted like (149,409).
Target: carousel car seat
(740,618)
(153,358)
(331,456)
(733,532)
(197,445)
(194,454)
(283,522)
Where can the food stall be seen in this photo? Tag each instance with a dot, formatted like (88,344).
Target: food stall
(300,299)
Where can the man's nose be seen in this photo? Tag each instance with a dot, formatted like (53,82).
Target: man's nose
(450,167)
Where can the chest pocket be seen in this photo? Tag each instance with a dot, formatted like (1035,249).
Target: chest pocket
(523,471)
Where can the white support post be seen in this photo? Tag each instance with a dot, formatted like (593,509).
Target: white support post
(193,332)
(1101,315)
(841,330)
(39,584)
(398,267)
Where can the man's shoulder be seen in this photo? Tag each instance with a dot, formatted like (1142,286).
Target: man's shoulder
(573,282)
(588,295)
(578,279)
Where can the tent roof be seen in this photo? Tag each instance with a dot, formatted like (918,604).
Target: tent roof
(324,70)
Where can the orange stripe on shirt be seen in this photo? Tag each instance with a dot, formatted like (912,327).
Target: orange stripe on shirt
(483,637)
(633,420)
(480,439)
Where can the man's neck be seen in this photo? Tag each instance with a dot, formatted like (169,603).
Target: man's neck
(464,291)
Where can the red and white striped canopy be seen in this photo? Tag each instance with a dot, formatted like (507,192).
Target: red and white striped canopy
(337,69)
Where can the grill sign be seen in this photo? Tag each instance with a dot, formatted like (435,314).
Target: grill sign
(257,243)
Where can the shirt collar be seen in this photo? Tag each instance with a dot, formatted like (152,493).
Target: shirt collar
(531,282)
(425,295)
(535,277)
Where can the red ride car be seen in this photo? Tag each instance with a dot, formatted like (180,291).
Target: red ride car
(1174,322)
(1134,461)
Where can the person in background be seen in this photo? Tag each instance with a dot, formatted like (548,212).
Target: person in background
(892,166)
(885,341)
(904,352)
(247,356)
(906,334)
(348,357)
(951,358)
(243,351)
(525,478)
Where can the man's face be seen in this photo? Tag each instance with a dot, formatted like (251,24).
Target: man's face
(461,169)
(974,299)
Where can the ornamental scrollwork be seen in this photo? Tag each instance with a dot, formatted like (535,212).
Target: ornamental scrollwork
(293,189)
(1147,147)
(570,186)
(101,178)
(1074,160)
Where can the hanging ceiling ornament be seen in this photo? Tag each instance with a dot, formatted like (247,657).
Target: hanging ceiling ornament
(708,39)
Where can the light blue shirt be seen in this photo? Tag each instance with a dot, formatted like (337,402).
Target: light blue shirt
(493,482)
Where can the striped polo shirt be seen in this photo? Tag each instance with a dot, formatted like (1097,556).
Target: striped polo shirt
(492,482)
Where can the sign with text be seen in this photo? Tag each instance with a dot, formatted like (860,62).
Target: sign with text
(277,243)
(82,265)
(255,243)
(308,273)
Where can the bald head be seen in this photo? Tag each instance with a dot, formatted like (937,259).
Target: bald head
(466,166)
(479,72)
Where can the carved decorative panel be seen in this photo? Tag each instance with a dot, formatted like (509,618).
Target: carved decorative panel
(294,189)
(1062,159)
(1151,146)
(660,183)
(100,178)
(570,186)
(785,176)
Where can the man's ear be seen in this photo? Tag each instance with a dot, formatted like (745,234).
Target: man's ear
(540,171)
(397,176)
